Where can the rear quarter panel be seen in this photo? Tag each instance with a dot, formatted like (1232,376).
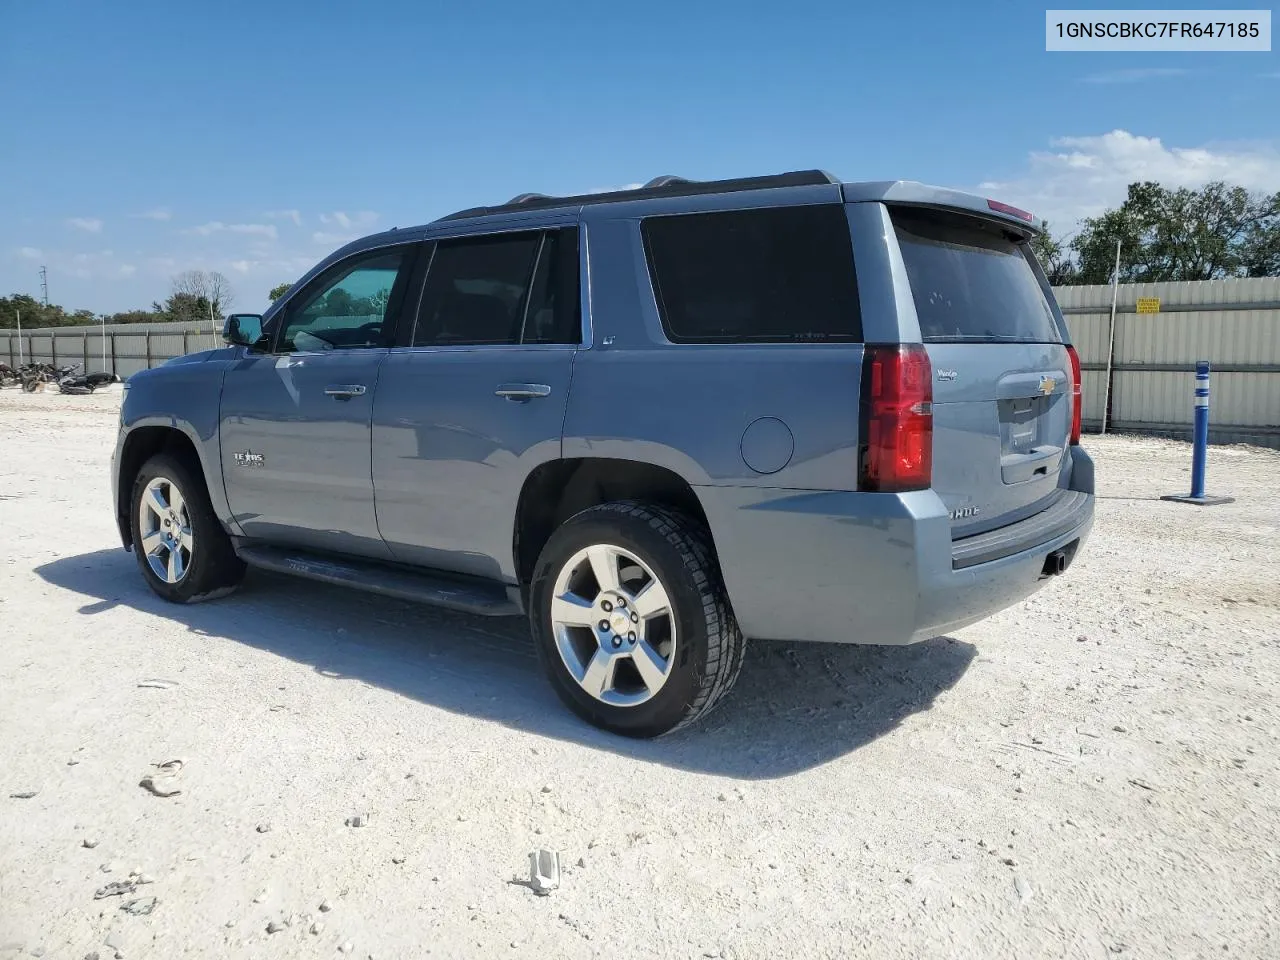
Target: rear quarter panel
(703,410)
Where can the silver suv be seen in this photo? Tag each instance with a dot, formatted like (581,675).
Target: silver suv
(656,422)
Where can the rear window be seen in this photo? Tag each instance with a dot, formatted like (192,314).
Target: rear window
(782,274)
(971,281)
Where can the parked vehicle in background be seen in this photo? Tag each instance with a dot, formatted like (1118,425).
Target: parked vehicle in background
(655,421)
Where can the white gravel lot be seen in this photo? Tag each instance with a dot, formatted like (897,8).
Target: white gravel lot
(1092,773)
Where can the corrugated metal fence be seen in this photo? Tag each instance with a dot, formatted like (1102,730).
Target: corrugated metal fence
(129,347)
(1234,324)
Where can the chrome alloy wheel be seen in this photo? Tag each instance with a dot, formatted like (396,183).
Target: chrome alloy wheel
(613,624)
(167,542)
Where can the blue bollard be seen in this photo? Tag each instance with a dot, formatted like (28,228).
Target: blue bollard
(1200,439)
(1200,443)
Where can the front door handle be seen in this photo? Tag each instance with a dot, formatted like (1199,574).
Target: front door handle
(521,392)
(345,391)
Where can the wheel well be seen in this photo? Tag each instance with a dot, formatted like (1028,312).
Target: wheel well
(139,447)
(556,491)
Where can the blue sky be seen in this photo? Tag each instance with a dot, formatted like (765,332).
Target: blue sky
(143,138)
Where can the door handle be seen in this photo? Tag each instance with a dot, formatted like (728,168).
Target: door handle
(521,392)
(345,391)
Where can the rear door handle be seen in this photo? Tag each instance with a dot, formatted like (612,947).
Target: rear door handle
(523,391)
(345,391)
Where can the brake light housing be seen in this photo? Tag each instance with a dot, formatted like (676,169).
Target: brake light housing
(1077,395)
(1011,211)
(896,445)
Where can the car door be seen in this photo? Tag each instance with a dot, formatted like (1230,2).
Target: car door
(475,399)
(295,418)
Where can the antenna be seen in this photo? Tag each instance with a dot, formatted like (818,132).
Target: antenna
(44,285)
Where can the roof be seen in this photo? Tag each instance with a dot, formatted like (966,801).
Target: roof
(665,186)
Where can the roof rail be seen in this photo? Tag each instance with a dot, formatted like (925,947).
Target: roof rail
(526,197)
(664,186)
(666,180)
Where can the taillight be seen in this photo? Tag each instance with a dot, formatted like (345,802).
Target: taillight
(1010,210)
(1077,396)
(897,419)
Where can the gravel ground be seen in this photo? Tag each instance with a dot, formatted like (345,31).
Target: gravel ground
(1091,773)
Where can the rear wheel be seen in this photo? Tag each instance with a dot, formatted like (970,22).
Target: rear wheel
(631,619)
(183,552)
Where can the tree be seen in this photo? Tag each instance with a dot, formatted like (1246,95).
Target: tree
(278,292)
(35,314)
(138,316)
(186,308)
(213,288)
(1207,234)
(1054,259)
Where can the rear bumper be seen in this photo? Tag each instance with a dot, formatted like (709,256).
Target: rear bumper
(877,568)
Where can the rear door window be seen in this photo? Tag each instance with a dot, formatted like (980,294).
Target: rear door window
(501,289)
(475,290)
(971,281)
(782,274)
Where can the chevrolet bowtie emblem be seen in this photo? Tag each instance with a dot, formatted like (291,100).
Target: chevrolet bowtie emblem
(1047,384)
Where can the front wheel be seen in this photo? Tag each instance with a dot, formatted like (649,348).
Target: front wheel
(631,619)
(184,554)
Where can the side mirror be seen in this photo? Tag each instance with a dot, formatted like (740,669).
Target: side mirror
(242,329)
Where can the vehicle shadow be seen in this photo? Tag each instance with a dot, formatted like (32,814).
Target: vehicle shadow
(796,706)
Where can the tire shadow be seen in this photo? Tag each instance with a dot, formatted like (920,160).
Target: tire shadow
(795,706)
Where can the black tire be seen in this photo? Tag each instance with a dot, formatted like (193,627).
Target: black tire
(214,570)
(709,653)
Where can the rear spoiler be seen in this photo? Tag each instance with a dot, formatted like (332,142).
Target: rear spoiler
(923,195)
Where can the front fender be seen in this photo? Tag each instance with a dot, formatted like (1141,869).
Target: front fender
(180,398)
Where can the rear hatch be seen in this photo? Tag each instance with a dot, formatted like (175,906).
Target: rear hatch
(1002,389)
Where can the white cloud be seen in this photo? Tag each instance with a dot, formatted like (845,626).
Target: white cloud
(83,265)
(31,253)
(87,224)
(1083,176)
(363,218)
(242,266)
(1135,74)
(159,214)
(251,229)
(294,215)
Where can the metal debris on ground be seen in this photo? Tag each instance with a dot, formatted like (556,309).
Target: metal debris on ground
(544,871)
(163,782)
(114,889)
(23,795)
(140,907)
(157,684)
(359,820)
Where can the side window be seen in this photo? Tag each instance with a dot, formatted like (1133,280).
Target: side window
(554,314)
(476,290)
(347,308)
(781,274)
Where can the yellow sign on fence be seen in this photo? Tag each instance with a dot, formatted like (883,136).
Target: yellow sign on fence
(1148,304)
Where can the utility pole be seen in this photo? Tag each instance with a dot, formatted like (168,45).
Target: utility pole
(1111,340)
(19,315)
(44,285)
